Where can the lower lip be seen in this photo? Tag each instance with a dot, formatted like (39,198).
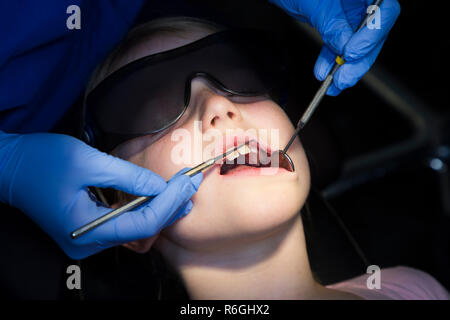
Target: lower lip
(246,171)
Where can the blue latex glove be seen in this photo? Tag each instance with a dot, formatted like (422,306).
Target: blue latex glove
(47,175)
(336,20)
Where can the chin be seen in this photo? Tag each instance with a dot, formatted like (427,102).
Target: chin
(223,216)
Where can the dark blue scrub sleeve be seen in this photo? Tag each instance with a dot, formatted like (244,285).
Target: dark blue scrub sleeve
(44,66)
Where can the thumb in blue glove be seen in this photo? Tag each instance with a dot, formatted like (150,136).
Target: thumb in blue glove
(47,175)
(336,20)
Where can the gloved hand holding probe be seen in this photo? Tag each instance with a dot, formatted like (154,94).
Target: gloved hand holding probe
(336,20)
(47,175)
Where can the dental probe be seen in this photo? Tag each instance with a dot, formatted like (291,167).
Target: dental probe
(140,200)
(326,84)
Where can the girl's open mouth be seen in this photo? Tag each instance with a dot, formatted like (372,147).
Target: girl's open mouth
(253,157)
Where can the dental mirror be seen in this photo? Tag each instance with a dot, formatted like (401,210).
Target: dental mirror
(284,161)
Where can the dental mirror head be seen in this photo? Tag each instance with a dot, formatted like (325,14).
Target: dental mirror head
(284,161)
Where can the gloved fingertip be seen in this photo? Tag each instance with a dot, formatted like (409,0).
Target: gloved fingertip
(358,47)
(184,185)
(188,208)
(324,63)
(321,69)
(182,171)
(351,54)
(348,75)
(149,183)
(183,211)
(179,173)
(197,180)
(333,91)
(338,38)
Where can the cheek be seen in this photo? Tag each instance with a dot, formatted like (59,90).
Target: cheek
(272,122)
(158,158)
(267,112)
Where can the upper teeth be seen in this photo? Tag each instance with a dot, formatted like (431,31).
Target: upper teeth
(233,155)
(249,147)
(244,149)
(253,148)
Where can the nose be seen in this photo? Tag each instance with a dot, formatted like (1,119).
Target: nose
(217,112)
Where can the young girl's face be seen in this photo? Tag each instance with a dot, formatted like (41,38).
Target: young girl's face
(243,204)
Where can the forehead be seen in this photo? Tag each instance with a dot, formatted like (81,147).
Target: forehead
(158,43)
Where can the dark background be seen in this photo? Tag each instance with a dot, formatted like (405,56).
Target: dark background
(375,198)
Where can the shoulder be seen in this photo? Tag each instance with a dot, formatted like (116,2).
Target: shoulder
(398,283)
(409,283)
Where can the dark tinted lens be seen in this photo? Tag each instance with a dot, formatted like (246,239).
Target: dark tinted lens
(140,102)
(248,66)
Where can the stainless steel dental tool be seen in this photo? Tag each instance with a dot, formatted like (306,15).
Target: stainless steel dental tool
(233,153)
(325,85)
